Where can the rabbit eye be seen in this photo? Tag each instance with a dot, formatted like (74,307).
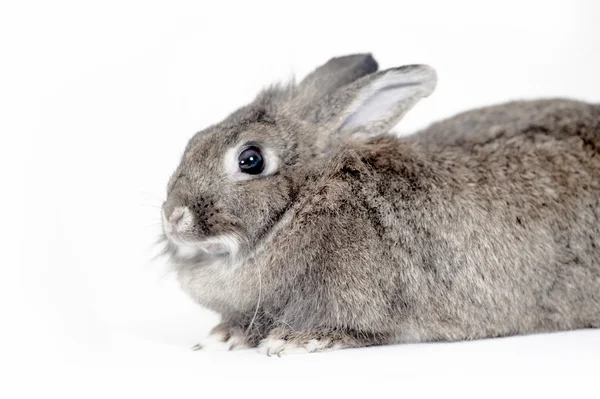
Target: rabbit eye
(251,160)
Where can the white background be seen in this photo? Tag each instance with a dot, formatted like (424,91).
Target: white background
(97,101)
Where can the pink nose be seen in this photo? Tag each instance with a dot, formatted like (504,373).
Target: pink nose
(179,221)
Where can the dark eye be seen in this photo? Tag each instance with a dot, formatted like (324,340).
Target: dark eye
(251,160)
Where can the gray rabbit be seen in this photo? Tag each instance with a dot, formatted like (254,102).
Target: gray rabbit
(309,227)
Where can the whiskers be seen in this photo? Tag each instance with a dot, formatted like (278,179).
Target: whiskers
(152,206)
(164,246)
(153,197)
(161,247)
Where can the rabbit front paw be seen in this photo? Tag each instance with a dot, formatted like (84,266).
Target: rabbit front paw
(224,337)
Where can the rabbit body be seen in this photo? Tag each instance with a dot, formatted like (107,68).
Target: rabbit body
(486,224)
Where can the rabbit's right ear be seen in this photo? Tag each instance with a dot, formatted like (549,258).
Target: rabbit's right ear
(374,104)
(329,77)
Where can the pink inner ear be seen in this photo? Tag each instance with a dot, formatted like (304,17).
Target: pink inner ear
(387,99)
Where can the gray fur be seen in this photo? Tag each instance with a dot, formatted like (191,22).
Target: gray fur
(483,225)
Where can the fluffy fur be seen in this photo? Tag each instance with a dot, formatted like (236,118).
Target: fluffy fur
(483,225)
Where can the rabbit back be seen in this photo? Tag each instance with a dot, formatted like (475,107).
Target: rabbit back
(477,126)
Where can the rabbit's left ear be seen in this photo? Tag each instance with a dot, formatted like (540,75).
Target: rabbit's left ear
(337,72)
(326,79)
(374,104)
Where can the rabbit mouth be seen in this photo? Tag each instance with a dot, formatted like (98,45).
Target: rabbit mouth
(216,247)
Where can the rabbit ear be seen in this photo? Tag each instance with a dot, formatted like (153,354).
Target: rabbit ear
(329,77)
(338,72)
(375,104)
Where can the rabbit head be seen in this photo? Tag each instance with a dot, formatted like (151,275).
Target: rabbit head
(237,178)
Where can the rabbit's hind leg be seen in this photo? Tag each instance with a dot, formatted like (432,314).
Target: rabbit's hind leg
(284,341)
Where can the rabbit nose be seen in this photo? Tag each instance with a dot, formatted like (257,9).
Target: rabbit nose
(179,221)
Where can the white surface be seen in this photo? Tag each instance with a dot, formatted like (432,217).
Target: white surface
(97,103)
